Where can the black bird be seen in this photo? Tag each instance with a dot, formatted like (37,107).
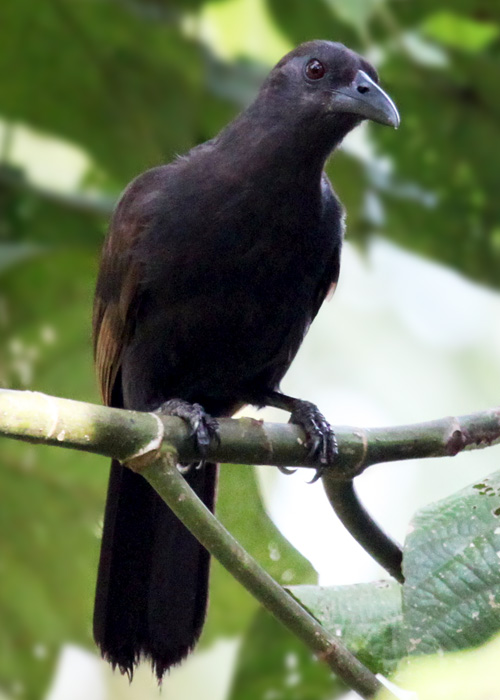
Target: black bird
(213,269)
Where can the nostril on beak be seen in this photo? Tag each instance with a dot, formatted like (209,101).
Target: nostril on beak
(363,89)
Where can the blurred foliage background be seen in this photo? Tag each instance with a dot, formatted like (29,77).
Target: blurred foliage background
(93,92)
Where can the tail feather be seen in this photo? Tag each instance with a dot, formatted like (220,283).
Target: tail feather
(152,585)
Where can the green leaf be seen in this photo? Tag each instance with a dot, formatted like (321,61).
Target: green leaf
(274,665)
(355,12)
(13,253)
(439,195)
(40,222)
(240,509)
(459,32)
(302,21)
(103,76)
(366,617)
(52,499)
(410,13)
(451,597)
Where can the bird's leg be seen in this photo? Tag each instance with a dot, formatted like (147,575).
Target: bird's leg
(321,440)
(204,428)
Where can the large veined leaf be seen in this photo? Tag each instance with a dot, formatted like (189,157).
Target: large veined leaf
(450,599)
(451,596)
(367,617)
(273,664)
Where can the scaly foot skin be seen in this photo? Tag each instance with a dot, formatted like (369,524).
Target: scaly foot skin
(320,438)
(204,428)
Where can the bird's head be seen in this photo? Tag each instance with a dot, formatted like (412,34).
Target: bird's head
(325,80)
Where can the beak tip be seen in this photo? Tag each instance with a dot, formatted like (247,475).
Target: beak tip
(392,119)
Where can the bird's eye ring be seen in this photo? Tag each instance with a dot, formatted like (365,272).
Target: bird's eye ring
(315,69)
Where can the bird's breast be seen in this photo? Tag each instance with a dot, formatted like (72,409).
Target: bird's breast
(232,310)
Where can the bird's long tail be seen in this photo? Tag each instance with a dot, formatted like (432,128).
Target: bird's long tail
(152,584)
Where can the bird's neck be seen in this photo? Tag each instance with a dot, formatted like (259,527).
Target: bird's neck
(280,148)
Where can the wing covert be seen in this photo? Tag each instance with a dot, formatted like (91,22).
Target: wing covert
(119,281)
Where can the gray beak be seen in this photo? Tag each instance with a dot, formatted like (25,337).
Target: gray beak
(364,97)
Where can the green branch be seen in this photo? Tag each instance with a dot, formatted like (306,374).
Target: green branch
(128,435)
(153,445)
(165,478)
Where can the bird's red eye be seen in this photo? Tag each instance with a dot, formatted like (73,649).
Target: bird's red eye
(315,69)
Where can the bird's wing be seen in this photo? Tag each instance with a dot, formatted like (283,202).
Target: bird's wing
(118,286)
(333,227)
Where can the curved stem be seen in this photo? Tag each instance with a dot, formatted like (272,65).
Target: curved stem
(356,519)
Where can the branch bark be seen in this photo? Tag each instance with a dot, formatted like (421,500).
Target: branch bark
(131,435)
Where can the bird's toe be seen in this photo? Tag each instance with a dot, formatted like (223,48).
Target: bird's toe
(203,428)
(321,442)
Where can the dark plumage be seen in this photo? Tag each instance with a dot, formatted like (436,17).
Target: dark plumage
(212,271)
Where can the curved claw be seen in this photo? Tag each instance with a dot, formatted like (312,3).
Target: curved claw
(319,473)
(186,468)
(314,443)
(286,470)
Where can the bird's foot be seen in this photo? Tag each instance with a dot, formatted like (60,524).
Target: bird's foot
(320,437)
(204,428)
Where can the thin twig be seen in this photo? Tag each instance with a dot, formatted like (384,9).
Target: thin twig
(360,524)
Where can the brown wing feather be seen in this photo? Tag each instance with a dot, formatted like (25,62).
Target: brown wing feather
(110,332)
(118,284)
